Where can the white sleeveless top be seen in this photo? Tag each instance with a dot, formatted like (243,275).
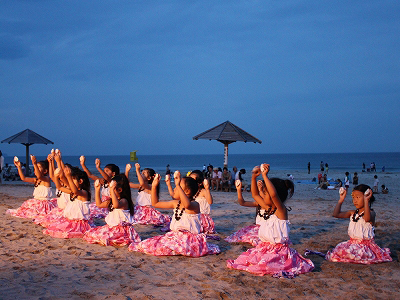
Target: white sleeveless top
(117,216)
(360,229)
(77,210)
(63,200)
(189,222)
(143,199)
(42,192)
(204,206)
(274,230)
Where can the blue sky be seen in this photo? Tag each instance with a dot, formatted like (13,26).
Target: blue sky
(108,77)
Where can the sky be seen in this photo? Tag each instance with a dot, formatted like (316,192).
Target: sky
(110,77)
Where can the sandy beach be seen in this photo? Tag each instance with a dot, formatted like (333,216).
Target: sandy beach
(36,266)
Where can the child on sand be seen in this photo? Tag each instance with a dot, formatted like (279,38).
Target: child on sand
(361,248)
(272,255)
(144,212)
(118,230)
(203,197)
(76,216)
(249,234)
(110,170)
(185,237)
(62,197)
(42,202)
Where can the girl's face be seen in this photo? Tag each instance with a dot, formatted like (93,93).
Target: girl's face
(109,172)
(77,182)
(146,175)
(41,169)
(358,199)
(185,189)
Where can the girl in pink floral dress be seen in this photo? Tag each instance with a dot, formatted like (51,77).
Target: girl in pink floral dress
(203,197)
(110,170)
(272,255)
(118,230)
(62,197)
(185,237)
(76,215)
(361,248)
(145,213)
(249,234)
(43,201)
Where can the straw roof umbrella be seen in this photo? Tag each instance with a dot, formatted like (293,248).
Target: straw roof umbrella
(227,133)
(27,137)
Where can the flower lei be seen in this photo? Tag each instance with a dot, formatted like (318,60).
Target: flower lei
(358,216)
(178,216)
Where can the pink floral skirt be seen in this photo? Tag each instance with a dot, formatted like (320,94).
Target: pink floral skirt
(278,260)
(359,252)
(176,243)
(146,215)
(50,218)
(33,208)
(247,234)
(120,235)
(97,212)
(65,228)
(207,224)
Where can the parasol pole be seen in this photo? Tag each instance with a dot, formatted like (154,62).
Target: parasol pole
(226,155)
(27,171)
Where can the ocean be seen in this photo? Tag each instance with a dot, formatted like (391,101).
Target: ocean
(351,162)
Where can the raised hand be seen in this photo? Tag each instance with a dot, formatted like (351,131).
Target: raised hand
(82,159)
(33,159)
(128,168)
(156,180)
(97,163)
(264,168)
(177,177)
(206,184)
(256,171)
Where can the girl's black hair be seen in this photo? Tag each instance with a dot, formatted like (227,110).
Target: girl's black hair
(114,168)
(284,188)
(192,185)
(123,183)
(200,178)
(85,185)
(45,165)
(363,188)
(152,174)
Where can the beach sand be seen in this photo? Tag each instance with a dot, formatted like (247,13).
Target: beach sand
(36,266)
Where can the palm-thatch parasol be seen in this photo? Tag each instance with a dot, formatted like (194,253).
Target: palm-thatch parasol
(27,138)
(227,133)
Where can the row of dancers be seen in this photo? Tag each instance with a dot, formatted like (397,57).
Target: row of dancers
(72,215)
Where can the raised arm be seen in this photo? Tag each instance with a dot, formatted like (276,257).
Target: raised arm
(281,211)
(241,200)
(206,191)
(97,196)
(254,188)
(154,195)
(39,174)
(337,212)
(82,160)
(101,171)
(21,174)
(369,216)
(142,182)
(169,186)
(58,173)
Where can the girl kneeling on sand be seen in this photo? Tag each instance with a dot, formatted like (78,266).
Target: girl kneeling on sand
(185,237)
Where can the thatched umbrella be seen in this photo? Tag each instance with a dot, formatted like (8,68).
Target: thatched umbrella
(227,133)
(27,138)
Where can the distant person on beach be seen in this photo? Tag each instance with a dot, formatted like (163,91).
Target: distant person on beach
(226,180)
(167,170)
(355,178)
(347,180)
(376,183)
(326,168)
(321,165)
(385,190)
(309,167)
(361,248)
(383,169)
(363,167)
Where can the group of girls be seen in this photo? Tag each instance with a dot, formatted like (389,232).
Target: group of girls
(72,215)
